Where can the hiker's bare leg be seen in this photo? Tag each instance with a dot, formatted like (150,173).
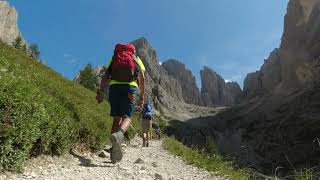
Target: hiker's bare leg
(125,123)
(117,121)
(144,137)
(147,137)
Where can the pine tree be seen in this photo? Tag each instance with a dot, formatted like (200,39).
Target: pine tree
(18,44)
(34,51)
(87,78)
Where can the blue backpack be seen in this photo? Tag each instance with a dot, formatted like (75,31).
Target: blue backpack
(147,112)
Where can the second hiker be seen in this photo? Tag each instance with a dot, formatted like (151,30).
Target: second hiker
(125,74)
(145,121)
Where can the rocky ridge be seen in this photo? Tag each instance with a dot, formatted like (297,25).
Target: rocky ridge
(215,91)
(289,67)
(9,30)
(166,89)
(190,90)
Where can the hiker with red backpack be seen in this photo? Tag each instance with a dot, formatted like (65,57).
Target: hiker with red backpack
(124,74)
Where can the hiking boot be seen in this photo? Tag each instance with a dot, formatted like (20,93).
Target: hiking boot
(147,144)
(116,150)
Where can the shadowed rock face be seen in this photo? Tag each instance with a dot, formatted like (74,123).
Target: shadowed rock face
(289,67)
(8,23)
(190,90)
(215,91)
(265,80)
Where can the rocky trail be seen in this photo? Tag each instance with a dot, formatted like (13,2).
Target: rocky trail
(139,162)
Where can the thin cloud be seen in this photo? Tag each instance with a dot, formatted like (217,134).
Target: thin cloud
(70,59)
(66,55)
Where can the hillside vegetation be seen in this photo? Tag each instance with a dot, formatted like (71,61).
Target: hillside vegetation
(43,113)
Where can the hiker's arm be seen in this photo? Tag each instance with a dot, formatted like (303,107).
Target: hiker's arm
(104,82)
(141,86)
(100,91)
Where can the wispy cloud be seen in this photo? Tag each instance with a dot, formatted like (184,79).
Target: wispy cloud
(70,59)
(66,55)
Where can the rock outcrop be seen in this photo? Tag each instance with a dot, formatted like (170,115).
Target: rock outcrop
(184,76)
(216,92)
(9,30)
(265,80)
(289,67)
(166,89)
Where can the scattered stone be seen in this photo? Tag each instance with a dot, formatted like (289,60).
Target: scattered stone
(124,168)
(124,145)
(103,154)
(155,164)
(159,176)
(139,161)
(142,172)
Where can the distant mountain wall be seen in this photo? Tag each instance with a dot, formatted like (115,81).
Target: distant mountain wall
(216,92)
(184,76)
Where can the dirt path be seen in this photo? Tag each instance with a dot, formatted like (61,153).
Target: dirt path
(138,163)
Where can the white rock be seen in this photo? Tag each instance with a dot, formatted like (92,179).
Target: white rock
(104,154)
(9,30)
(124,145)
(142,172)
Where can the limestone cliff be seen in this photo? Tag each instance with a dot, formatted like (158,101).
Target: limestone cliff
(9,30)
(216,92)
(167,89)
(184,76)
(289,68)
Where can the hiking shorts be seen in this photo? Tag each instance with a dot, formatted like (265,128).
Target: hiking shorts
(145,125)
(119,100)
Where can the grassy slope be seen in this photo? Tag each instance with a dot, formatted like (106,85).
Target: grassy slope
(213,163)
(43,113)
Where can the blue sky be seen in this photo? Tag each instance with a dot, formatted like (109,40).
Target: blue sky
(231,37)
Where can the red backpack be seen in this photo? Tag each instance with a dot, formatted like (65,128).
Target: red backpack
(123,67)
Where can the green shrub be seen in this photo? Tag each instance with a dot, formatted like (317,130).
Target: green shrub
(43,113)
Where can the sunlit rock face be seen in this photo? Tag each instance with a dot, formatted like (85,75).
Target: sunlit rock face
(9,30)
(216,92)
(190,90)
